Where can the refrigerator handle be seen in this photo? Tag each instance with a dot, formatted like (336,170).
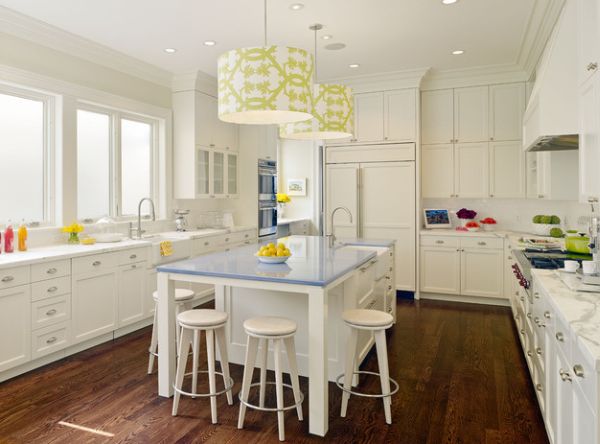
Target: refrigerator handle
(358,203)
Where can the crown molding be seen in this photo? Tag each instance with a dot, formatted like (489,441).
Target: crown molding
(410,78)
(36,31)
(195,81)
(542,20)
(478,75)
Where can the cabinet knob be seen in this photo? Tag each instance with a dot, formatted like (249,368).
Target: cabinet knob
(491,195)
(538,351)
(385,138)
(51,312)
(529,353)
(565,375)
(539,387)
(592,66)
(491,138)
(96,263)
(8,278)
(51,340)
(52,289)
(205,244)
(540,196)
(536,295)
(560,337)
(578,370)
(51,270)
(547,315)
(133,256)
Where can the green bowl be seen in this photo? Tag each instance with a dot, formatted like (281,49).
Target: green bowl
(577,244)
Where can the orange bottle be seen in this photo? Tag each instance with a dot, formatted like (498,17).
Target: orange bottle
(22,237)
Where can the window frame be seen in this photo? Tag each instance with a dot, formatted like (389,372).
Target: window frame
(49,149)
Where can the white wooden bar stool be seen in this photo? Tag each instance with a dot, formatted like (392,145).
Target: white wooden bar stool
(281,331)
(183,298)
(212,322)
(377,322)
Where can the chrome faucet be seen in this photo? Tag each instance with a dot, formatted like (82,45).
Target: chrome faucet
(139,230)
(331,236)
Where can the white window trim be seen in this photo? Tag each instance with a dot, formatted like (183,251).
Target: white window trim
(49,140)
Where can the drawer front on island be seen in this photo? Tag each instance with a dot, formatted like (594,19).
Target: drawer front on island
(15,326)
(13,277)
(50,270)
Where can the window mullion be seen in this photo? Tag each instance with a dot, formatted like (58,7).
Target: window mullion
(115,180)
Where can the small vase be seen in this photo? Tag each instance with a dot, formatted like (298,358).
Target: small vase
(73,238)
(280,211)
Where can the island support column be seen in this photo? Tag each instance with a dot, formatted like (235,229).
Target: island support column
(166,335)
(318,382)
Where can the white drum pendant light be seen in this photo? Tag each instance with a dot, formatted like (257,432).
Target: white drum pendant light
(265,85)
(332,110)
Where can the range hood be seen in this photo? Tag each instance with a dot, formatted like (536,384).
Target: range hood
(555,143)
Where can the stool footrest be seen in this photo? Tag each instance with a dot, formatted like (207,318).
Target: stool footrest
(367,395)
(271,409)
(204,395)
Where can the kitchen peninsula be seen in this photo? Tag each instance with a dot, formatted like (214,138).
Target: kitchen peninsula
(357,274)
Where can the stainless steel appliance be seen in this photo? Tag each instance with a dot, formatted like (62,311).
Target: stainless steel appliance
(267,197)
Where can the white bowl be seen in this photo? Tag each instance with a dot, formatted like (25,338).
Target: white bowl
(472,228)
(272,259)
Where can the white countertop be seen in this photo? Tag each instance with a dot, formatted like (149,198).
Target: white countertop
(580,310)
(453,232)
(291,220)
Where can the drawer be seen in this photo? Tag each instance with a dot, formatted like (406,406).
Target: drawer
(440,241)
(95,262)
(242,236)
(50,311)
(562,336)
(582,371)
(13,277)
(203,245)
(132,256)
(50,339)
(482,242)
(50,270)
(50,288)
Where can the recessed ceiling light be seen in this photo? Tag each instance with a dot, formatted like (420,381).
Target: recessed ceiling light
(449,2)
(327,37)
(335,46)
(210,43)
(170,50)
(296,6)
(353,65)
(458,52)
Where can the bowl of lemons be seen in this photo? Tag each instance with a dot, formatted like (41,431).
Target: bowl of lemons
(271,254)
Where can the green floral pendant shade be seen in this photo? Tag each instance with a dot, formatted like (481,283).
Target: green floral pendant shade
(265,85)
(333,113)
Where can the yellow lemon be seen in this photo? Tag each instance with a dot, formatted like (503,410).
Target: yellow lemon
(281,253)
(270,245)
(288,252)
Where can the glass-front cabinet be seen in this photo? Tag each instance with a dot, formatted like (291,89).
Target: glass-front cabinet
(216,173)
(232,174)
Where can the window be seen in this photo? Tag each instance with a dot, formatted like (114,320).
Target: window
(115,160)
(25,152)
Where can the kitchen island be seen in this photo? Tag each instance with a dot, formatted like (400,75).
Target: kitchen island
(314,287)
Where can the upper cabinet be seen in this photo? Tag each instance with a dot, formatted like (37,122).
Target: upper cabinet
(210,130)
(507,104)
(471,114)
(588,31)
(437,116)
(368,117)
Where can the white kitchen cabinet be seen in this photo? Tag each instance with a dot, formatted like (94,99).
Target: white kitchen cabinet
(440,270)
(211,132)
(471,114)
(369,117)
(551,174)
(507,105)
(266,140)
(437,116)
(564,399)
(202,172)
(15,326)
(588,21)
(94,304)
(584,417)
(216,174)
(400,115)
(589,140)
(482,272)
(342,191)
(437,171)
(131,293)
(471,170)
(507,169)
(232,175)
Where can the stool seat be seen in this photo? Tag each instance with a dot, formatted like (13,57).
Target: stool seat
(181,294)
(270,326)
(202,318)
(367,318)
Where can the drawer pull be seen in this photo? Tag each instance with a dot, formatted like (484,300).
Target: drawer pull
(226,239)
(529,353)
(51,312)
(528,315)
(592,66)
(96,263)
(547,315)
(565,375)
(522,331)
(51,340)
(560,337)
(134,266)
(439,241)
(8,278)
(536,295)
(482,243)
(247,242)
(206,244)
(51,270)
(133,256)
(52,289)
(246,236)
(365,268)
(578,370)
(538,351)
(539,387)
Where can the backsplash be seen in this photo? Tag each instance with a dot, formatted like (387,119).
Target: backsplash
(516,214)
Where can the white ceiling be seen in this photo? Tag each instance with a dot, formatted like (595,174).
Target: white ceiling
(381,35)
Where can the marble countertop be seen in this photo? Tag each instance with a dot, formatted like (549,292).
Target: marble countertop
(580,310)
(453,232)
(313,262)
(290,220)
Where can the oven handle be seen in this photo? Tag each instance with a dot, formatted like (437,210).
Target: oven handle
(264,172)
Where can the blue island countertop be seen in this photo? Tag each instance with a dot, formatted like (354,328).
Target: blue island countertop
(313,262)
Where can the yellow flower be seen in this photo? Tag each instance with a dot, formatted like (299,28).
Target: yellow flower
(283,198)
(73,228)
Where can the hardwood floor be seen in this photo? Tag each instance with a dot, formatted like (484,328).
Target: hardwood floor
(461,373)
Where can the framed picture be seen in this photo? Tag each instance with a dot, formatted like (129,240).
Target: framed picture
(296,187)
(436,218)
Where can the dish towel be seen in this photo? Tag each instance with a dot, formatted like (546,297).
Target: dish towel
(166,248)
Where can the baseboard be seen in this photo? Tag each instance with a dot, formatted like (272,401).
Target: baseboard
(466,299)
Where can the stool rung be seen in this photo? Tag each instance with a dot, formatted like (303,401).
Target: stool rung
(367,395)
(205,395)
(271,409)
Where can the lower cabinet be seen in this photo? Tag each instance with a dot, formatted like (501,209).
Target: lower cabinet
(94,304)
(440,270)
(15,326)
(132,293)
(481,272)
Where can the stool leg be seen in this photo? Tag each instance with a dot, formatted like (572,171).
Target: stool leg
(349,369)
(264,350)
(279,389)
(382,361)
(212,383)
(251,349)
(153,342)
(184,347)
(195,358)
(222,342)
(290,349)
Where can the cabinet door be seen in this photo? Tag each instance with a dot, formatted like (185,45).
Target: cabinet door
(589,39)
(151,286)
(589,141)
(481,273)
(202,172)
(437,171)
(400,111)
(132,291)
(437,116)
(368,115)
(218,174)
(471,170)
(267,139)
(206,115)
(507,169)
(15,327)
(507,104)
(564,400)
(532,175)
(387,211)
(584,418)
(94,305)
(471,114)
(440,270)
(232,175)
(342,191)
